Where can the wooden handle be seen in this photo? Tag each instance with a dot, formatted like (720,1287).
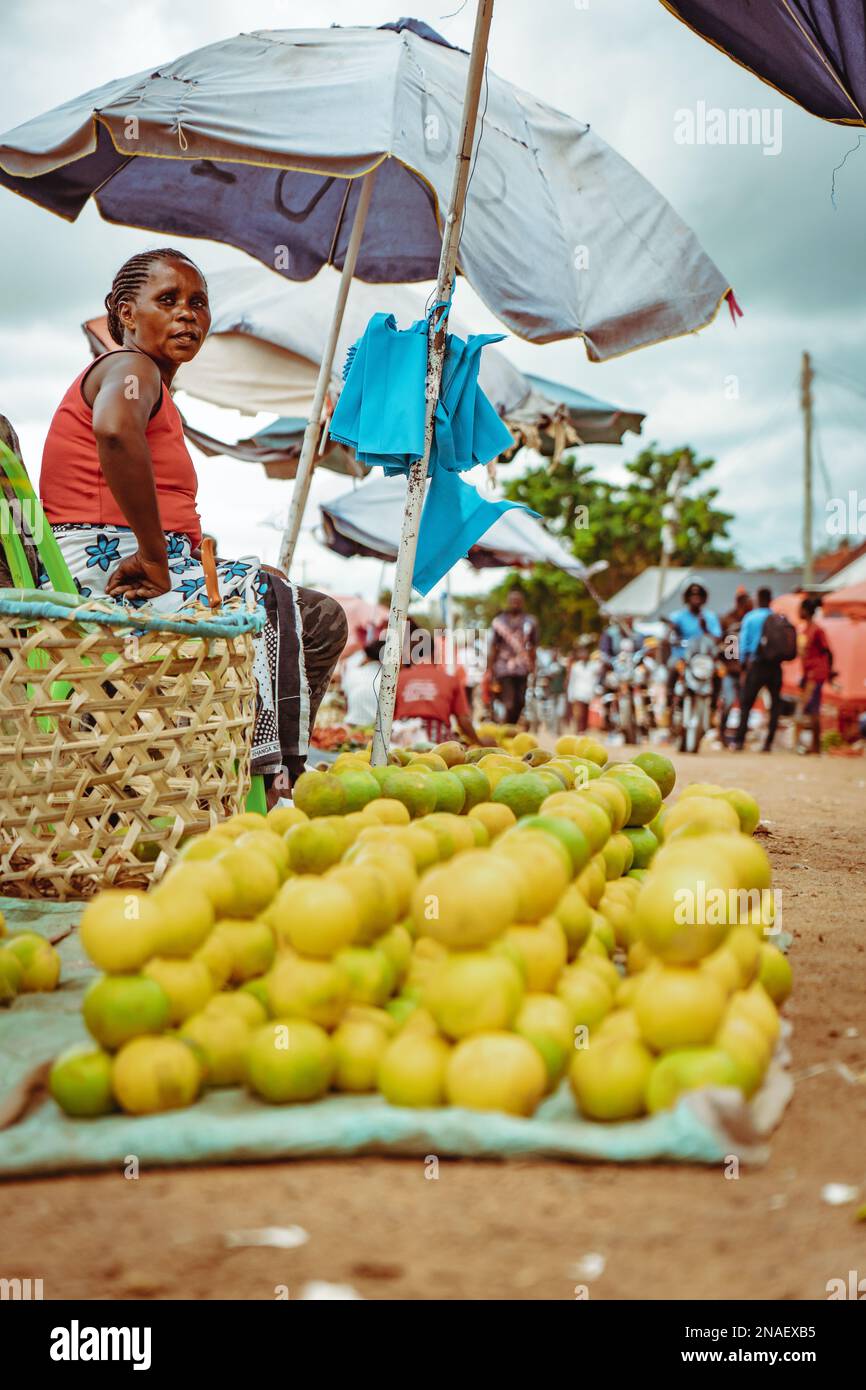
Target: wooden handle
(208,563)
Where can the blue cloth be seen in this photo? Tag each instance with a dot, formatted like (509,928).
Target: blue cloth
(750,631)
(688,625)
(381,414)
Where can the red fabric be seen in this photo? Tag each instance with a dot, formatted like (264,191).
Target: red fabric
(815,658)
(73,487)
(429,692)
(847,639)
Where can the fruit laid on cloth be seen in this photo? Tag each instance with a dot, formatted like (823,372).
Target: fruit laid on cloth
(459,927)
(39,962)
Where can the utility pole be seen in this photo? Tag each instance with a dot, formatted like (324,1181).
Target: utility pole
(807,376)
(670,520)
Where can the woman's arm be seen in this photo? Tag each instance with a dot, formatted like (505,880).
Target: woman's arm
(125,396)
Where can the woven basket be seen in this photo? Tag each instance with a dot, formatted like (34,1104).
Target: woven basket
(108,725)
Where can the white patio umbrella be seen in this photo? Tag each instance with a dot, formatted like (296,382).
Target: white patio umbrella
(337,146)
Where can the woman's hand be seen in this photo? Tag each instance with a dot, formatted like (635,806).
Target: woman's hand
(139,576)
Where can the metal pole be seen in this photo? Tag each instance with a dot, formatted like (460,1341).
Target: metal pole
(307,461)
(393,651)
(806,380)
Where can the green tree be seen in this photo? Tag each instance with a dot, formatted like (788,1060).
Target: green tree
(617,522)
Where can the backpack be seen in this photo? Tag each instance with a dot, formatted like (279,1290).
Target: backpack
(778,639)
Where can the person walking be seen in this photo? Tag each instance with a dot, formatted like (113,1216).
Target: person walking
(766,640)
(729,656)
(513,653)
(816,658)
(582,681)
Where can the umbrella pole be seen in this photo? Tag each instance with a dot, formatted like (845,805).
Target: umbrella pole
(307,461)
(436,340)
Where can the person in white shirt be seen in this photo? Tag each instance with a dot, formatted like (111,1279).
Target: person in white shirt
(582,681)
(360,676)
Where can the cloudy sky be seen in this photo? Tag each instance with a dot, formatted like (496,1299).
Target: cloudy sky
(626,67)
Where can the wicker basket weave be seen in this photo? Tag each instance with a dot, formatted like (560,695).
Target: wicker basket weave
(107,726)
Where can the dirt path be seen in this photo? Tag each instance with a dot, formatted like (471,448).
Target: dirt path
(518,1230)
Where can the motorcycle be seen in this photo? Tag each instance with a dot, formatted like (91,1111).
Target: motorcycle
(693,693)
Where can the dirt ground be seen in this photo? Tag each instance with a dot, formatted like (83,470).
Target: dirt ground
(519,1230)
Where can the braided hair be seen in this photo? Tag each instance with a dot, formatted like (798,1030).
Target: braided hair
(129,280)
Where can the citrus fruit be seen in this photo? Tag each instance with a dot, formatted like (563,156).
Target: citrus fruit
(473,992)
(775,973)
(269,843)
(612,796)
(743,944)
(609,1078)
(644,794)
(696,815)
(544,950)
(11,975)
(644,845)
(290,1061)
(746,808)
(683,909)
(412,1069)
(118,930)
(251,946)
(475,784)
(748,859)
(254,876)
(313,847)
(756,1004)
(370,973)
(678,1007)
(411,787)
(615,855)
(493,816)
(496,1071)
(688,1070)
(375,901)
(659,768)
(701,789)
(522,792)
(561,769)
(429,759)
(619,1023)
(358,1043)
(282,818)
(150,1075)
(188,984)
(724,967)
(466,902)
(397,944)
(538,864)
(238,1004)
(321,794)
(574,915)
(748,1048)
(220,1043)
(452,753)
(208,876)
(317,916)
(566,831)
(591,818)
(117,1008)
(298,987)
(591,881)
(545,1021)
(186,916)
(389,811)
(450,793)
(218,959)
(398,864)
(238,824)
(39,961)
(80,1081)
(586,996)
(359,785)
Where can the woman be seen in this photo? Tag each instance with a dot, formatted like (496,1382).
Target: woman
(119,489)
(816,659)
(582,681)
(429,695)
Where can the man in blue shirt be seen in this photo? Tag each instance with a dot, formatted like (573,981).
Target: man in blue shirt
(759,673)
(693,620)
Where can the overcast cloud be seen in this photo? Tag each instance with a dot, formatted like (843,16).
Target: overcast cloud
(625,66)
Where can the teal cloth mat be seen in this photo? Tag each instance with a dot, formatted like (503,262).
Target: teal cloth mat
(229,1126)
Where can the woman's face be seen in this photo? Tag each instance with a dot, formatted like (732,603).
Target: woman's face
(170,315)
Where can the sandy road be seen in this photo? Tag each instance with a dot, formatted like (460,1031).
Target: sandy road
(516,1230)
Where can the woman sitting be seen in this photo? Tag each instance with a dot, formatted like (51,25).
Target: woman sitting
(119,489)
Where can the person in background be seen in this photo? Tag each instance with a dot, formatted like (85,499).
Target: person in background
(513,653)
(360,678)
(758,673)
(816,659)
(429,696)
(582,681)
(729,655)
(686,624)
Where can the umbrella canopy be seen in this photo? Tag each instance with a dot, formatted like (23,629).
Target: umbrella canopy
(367,521)
(847,603)
(259,141)
(268,337)
(813,51)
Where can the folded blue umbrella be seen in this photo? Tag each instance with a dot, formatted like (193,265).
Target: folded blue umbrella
(380,414)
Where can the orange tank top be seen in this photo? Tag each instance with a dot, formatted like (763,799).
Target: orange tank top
(73,487)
